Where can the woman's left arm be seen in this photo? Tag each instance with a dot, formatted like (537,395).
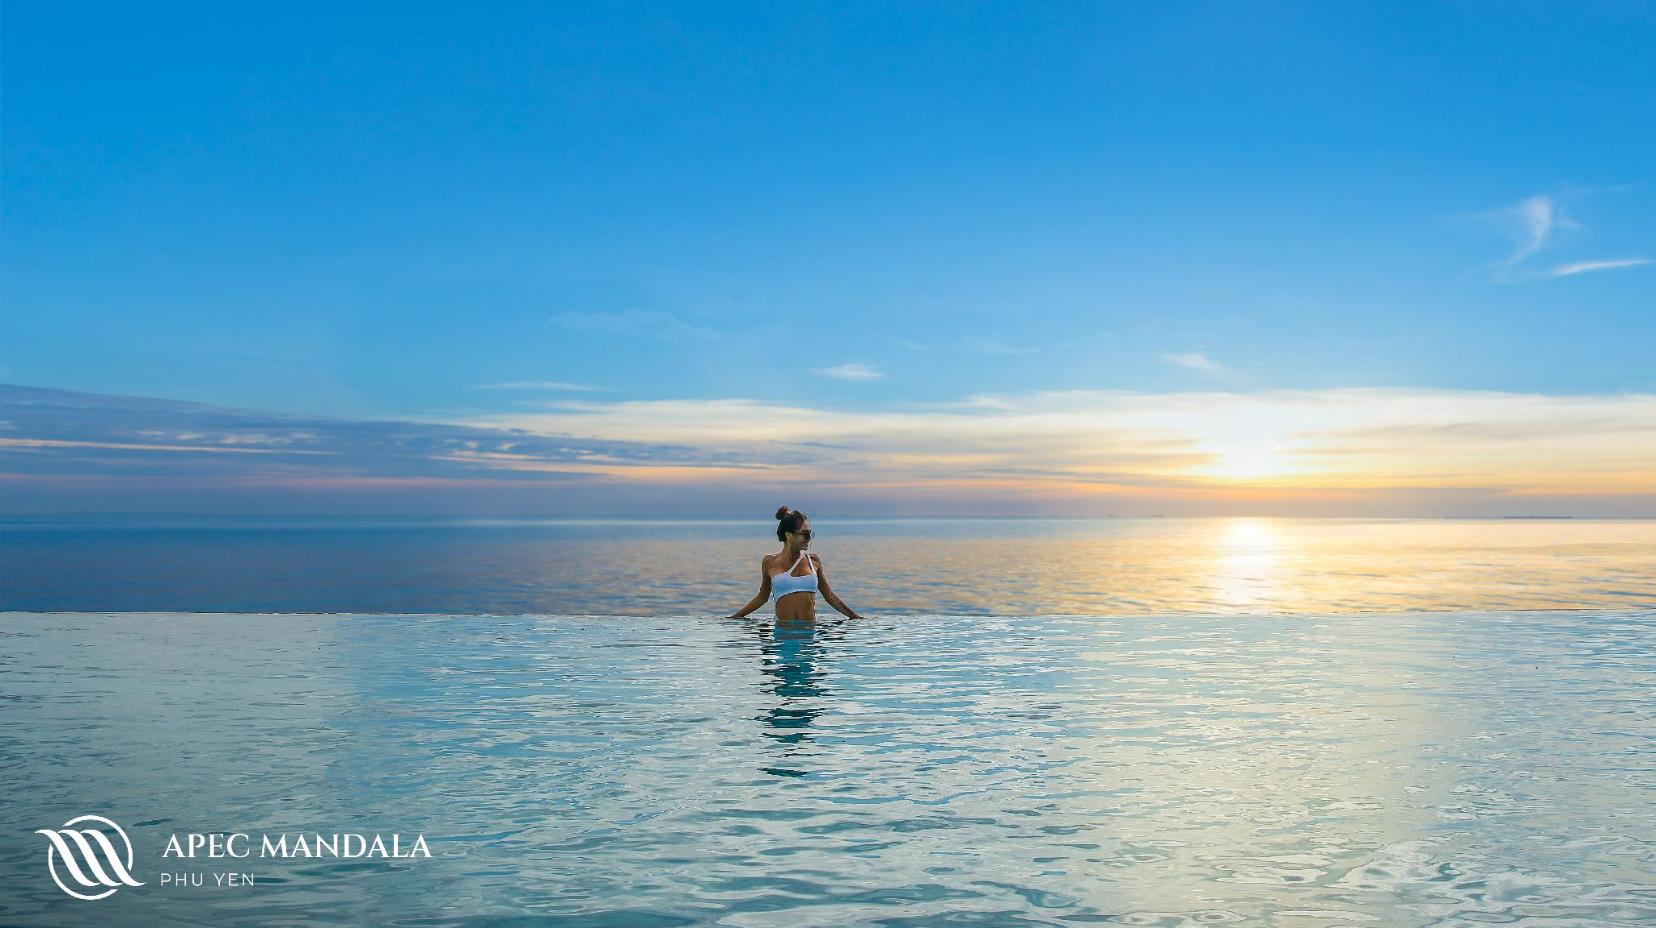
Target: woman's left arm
(828,592)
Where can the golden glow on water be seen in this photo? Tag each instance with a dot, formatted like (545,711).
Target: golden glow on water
(1252,565)
(1247,562)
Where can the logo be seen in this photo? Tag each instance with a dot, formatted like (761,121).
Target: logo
(89,857)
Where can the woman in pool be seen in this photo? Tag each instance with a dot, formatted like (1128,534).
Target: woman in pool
(793,578)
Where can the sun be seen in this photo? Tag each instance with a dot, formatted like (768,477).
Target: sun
(1246,462)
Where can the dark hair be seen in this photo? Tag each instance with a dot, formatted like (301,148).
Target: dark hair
(789,520)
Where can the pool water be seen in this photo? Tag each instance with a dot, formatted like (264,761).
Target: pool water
(1371,769)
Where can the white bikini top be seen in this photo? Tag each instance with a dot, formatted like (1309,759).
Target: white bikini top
(785,582)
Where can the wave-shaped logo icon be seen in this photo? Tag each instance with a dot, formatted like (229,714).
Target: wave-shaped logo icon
(89,856)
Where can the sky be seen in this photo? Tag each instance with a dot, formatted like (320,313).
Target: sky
(962,259)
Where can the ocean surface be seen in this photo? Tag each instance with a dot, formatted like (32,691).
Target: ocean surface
(1039,722)
(878,566)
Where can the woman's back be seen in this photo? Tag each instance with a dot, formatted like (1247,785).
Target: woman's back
(785,582)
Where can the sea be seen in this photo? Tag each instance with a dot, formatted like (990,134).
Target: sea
(885,566)
(1152,722)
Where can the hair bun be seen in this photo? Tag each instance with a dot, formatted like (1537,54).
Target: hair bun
(783,512)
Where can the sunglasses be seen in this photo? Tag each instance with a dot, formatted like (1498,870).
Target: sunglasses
(805,532)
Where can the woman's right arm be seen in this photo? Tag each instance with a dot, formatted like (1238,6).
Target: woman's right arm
(760,597)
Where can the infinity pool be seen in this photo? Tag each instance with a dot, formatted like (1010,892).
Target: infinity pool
(1313,770)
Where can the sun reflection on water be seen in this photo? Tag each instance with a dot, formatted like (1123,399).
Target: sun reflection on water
(1247,562)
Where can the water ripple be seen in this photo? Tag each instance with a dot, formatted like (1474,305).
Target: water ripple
(1374,769)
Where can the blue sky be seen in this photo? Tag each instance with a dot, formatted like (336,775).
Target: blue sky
(420,213)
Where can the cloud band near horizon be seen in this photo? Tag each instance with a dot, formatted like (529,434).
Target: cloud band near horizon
(1356,451)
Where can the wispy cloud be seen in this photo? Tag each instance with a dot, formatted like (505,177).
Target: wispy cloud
(1194,360)
(995,344)
(850,371)
(548,385)
(633,323)
(1534,224)
(57,430)
(1608,264)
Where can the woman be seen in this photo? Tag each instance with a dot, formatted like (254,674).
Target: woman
(793,578)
